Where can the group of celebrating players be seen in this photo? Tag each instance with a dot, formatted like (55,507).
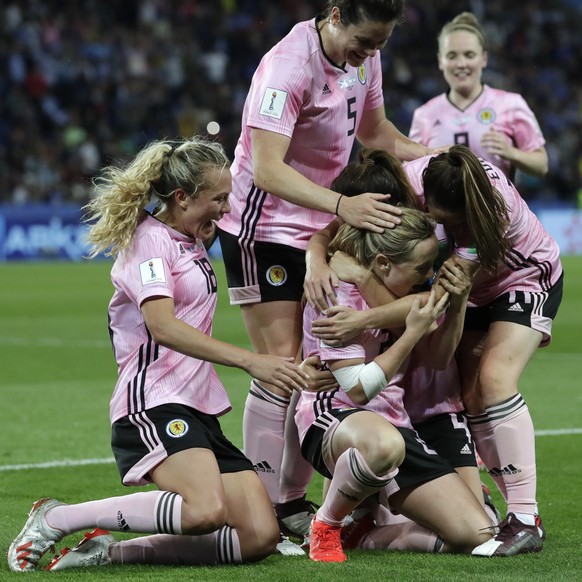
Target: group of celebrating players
(392,303)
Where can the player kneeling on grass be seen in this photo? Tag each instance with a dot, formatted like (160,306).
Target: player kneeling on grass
(360,435)
(210,506)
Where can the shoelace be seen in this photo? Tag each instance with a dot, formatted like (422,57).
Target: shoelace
(496,528)
(326,540)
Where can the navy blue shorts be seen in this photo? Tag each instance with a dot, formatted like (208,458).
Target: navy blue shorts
(140,442)
(271,272)
(450,437)
(536,310)
(421,463)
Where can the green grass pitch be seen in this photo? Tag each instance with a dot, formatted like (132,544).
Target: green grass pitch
(57,374)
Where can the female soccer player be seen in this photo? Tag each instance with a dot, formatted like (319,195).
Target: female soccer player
(497,125)
(432,398)
(360,433)
(311,96)
(210,506)
(515,297)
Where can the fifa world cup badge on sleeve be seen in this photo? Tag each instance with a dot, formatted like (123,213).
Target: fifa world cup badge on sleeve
(273,103)
(152,271)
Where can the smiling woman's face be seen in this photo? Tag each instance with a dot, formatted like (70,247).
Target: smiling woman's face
(198,215)
(354,43)
(462,60)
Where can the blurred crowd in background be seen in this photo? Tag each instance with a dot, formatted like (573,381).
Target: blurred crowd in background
(88,82)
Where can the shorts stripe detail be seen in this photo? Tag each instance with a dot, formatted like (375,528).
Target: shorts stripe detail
(362,474)
(249,220)
(506,408)
(539,301)
(225,546)
(459,421)
(147,354)
(146,428)
(165,513)
(324,421)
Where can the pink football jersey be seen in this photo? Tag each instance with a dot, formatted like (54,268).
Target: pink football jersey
(438,122)
(298,92)
(533,263)
(367,345)
(429,392)
(161,262)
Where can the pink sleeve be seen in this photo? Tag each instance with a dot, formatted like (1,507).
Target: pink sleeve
(415,133)
(281,85)
(375,95)
(146,270)
(526,130)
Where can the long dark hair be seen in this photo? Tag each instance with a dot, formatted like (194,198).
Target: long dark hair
(455,181)
(377,171)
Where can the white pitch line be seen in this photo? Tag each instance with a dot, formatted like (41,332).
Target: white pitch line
(62,463)
(558,431)
(108,460)
(54,342)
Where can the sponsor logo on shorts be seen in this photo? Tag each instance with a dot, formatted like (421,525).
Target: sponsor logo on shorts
(276,275)
(486,116)
(177,428)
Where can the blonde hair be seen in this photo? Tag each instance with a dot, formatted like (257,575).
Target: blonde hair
(396,243)
(123,193)
(466,21)
(455,181)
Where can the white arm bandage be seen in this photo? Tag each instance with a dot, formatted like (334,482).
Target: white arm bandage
(348,377)
(370,376)
(373,380)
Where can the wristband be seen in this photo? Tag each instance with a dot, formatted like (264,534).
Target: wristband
(338,203)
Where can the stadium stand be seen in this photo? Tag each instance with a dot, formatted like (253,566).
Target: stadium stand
(87,82)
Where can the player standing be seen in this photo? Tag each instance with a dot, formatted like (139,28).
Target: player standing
(312,95)
(497,125)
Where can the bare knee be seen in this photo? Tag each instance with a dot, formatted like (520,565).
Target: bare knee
(259,538)
(200,518)
(385,453)
(495,385)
